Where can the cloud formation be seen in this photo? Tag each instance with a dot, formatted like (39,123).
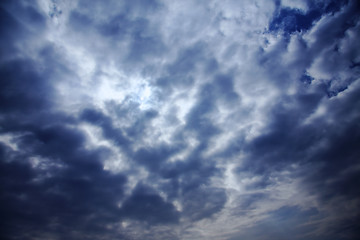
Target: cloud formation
(179,120)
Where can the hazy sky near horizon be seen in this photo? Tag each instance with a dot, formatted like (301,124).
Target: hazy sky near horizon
(180,120)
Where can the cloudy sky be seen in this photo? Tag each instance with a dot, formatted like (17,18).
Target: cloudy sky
(180,120)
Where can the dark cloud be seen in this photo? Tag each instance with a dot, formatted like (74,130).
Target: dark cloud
(9,29)
(288,141)
(180,72)
(203,203)
(145,205)
(198,119)
(155,120)
(224,84)
(20,95)
(143,44)
(109,131)
(55,185)
(154,158)
(334,28)
(51,186)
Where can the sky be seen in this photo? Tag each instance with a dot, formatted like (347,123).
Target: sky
(180,120)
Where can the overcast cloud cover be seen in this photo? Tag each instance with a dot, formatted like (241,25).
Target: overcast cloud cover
(180,120)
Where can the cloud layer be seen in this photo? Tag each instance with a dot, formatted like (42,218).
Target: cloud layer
(180,120)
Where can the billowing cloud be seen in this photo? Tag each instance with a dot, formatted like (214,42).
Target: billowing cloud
(179,120)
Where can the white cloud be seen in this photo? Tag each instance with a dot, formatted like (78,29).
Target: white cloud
(299,4)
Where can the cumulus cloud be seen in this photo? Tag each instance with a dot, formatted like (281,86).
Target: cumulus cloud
(179,120)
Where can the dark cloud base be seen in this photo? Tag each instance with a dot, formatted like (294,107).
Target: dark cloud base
(56,185)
